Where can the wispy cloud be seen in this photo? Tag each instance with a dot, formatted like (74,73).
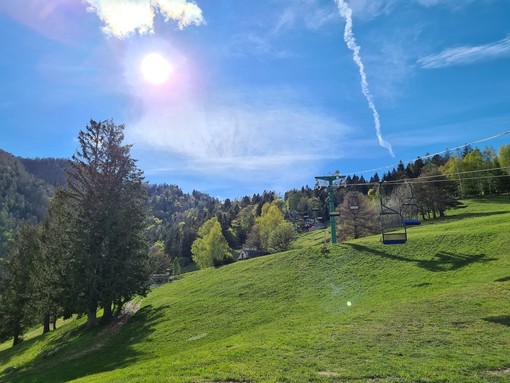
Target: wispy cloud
(252,135)
(240,131)
(263,38)
(369,9)
(122,18)
(467,54)
(455,5)
(254,44)
(309,14)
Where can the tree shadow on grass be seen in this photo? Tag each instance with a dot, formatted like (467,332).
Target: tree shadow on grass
(442,261)
(117,352)
(447,261)
(502,319)
(461,216)
(503,199)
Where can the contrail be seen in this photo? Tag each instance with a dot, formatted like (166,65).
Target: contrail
(349,39)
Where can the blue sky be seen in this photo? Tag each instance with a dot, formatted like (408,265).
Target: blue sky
(262,95)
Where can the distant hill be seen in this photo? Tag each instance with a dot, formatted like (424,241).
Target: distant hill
(27,184)
(50,170)
(23,197)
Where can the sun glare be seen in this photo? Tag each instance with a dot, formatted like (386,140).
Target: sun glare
(155,68)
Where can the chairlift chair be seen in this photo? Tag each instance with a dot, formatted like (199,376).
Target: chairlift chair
(409,210)
(393,230)
(353,201)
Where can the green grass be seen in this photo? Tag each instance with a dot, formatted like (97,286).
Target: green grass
(434,310)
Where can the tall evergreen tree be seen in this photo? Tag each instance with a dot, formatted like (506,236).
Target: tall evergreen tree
(17,287)
(55,285)
(107,191)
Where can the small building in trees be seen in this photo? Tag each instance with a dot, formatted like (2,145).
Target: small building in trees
(251,253)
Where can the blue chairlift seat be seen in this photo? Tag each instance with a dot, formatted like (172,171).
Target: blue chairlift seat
(411,222)
(394,238)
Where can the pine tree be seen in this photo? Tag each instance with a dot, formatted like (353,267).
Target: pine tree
(56,295)
(17,287)
(108,193)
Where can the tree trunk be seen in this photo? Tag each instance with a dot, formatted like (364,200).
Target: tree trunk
(91,316)
(17,339)
(55,322)
(118,307)
(46,323)
(107,311)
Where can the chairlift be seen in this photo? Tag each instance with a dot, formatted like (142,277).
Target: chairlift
(353,201)
(409,210)
(393,230)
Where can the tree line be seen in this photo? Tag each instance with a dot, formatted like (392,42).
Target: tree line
(435,184)
(89,252)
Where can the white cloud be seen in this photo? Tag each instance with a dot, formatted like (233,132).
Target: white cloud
(124,17)
(467,54)
(254,135)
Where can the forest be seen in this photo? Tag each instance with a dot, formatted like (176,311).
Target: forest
(89,231)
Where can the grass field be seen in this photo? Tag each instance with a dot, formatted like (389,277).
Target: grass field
(436,309)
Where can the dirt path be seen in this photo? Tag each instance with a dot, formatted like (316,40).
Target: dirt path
(108,331)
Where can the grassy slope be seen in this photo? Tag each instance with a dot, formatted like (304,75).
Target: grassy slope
(434,310)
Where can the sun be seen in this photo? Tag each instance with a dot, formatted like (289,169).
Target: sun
(156,69)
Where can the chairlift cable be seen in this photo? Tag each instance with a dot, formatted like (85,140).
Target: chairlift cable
(425,179)
(432,155)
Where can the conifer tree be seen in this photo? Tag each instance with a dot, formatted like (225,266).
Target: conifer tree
(17,287)
(107,191)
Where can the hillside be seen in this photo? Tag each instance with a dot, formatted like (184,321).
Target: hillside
(433,310)
(23,197)
(27,185)
(51,170)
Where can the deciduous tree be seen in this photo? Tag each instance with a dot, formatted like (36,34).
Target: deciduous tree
(281,237)
(268,221)
(211,247)
(357,220)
